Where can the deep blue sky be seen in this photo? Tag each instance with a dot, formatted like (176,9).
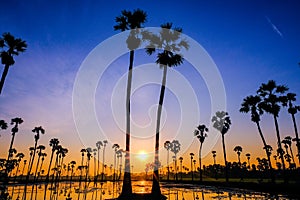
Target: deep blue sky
(250,41)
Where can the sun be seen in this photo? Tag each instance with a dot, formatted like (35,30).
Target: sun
(142,155)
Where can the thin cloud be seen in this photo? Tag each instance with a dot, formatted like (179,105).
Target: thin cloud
(275,29)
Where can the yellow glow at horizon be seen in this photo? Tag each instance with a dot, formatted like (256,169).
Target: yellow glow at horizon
(142,155)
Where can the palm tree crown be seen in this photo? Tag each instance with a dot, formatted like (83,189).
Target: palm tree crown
(10,47)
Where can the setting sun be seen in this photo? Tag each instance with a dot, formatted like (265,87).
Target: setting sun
(142,155)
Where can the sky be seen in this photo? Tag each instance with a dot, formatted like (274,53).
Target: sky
(249,43)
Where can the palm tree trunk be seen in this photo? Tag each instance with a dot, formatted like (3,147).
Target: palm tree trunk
(103,159)
(155,180)
(11,145)
(3,77)
(297,136)
(200,162)
(225,159)
(265,144)
(279,142)
(176,173)
(32,161)
(127,187)
(168,165)
(292,154)
(192,169)
(49,168)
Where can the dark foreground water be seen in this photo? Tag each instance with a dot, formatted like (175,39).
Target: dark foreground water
(109,190)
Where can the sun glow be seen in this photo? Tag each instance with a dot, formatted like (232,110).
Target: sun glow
(142,155)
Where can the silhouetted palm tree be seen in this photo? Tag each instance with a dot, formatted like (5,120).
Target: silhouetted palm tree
(129,21)
(293,109)
(40,149)
(168,146)
(201,134)
(115,148)
(288,140)
(238,150)
(214,153)
(95,169)
(222,123)
(251,104)
(19,157)
(99,144)
(168,45)
(11,47)
(175,148)
(16,121)
(103,159)
(192,157)
(36,130)
(53,143)
(180,159)
(248,155)
(272,98)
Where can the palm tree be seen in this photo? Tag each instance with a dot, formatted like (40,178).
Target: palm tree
(248,155)
(251,104)
(40,149)
(129,21)
(288,141)
(3,125)
(272,96)
(43,159)
(200,133)
(53,143)
(214,153)
(98,145)
(16,121)
(36,130)
(88,155)
(95,170)
(180,159)
(192,157)
(175,148)
(168,146)
(222,123)
(168,45)
(19,157)
(293,109)
(238,150)
(103,159)
(115,148)
(25,162)
(11,47)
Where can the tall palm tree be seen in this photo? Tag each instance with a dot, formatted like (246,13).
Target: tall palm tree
(168,146)
(251,104)
(175,149)
(180,159)
(248,155)
(99,144)
(15,121)
(272,98)
(214,153)
(201,134)
(36,130)
(40,149)
(103,159)
(222,123)
(167,45)
(288,141)
(129,21)
(238,150)
(53,143)
(95,169)
(192,157)
(10,47)
(43,159)
(293,109)
(115,147)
